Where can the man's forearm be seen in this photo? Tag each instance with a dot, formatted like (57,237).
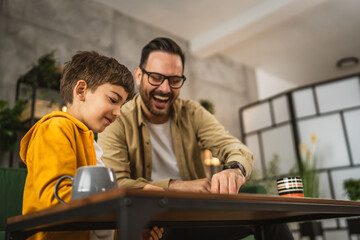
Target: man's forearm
(199,185)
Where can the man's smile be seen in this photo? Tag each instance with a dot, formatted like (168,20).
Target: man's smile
(161,100)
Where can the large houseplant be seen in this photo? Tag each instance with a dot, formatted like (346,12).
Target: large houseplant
(310,177)
(45,75)
(10,124)
(306,168)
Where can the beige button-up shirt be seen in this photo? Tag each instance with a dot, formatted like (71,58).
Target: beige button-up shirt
(127,147)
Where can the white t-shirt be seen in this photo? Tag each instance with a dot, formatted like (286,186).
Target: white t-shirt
(99,152)
(100,234)
(164,163)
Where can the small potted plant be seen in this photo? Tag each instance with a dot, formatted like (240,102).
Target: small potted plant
(208,105)
(352,188)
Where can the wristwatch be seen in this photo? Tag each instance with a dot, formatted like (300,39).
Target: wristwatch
(235,164)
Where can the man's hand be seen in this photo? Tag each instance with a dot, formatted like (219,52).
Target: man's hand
(227,181)
(202,185)
(150,187)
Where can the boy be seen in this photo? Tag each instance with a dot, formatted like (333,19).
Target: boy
(93,87)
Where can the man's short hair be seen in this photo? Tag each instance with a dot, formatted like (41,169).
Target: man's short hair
(161,44)
(95,70)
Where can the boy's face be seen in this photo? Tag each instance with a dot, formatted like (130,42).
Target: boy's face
(101,107)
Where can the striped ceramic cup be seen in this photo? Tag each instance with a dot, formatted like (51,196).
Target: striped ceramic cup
(290,187)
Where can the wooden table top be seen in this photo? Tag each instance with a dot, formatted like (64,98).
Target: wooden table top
(185,206)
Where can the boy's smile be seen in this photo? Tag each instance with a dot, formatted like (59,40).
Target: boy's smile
(103,106)
(109,121)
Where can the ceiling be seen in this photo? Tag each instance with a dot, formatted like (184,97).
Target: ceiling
(299,41)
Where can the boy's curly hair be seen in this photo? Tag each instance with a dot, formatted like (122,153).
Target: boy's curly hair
(96,70)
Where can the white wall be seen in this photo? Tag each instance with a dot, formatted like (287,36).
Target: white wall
(269,85)
(30,30)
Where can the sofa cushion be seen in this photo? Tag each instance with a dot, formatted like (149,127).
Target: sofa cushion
(12,181)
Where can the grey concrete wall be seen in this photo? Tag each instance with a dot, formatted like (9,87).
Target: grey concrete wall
(29,29)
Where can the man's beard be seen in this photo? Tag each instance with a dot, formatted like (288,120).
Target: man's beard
(147,99)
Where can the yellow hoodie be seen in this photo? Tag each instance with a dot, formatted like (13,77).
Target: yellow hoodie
(56,145)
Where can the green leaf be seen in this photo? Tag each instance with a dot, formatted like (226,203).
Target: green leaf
(352,187)
(10,124)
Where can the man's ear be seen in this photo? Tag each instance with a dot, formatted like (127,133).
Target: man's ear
(80,90)
(138,73)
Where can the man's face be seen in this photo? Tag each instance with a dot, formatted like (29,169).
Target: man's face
(157,100)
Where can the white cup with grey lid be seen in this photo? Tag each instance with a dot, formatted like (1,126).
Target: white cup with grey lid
(88,181)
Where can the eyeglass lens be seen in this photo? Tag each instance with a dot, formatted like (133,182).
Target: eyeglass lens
(158,79)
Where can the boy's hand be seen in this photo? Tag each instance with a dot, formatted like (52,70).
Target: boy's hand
(152,234)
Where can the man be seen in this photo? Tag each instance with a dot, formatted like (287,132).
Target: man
(156,142)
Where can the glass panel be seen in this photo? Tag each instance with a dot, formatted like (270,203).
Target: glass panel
(338,95)
(343,224)
(279,141)
(330,149)
(252,142)
(257,117)
(336,234)
(304,103)
(352,122)
(329,223)
(281,109)
(324,190)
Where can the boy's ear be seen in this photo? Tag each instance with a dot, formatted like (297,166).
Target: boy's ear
(138,73)
(80,90)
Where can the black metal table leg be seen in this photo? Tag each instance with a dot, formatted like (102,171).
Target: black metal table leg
(260,232)
(134,214)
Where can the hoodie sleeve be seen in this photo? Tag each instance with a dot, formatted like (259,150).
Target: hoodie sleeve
(53,154)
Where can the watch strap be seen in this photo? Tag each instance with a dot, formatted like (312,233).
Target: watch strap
(233,165)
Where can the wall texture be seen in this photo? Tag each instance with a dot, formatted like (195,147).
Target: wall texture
(29,29)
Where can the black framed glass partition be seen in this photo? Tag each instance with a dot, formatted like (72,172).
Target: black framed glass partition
(329,110)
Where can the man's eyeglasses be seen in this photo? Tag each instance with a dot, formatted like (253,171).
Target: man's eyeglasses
(156,79)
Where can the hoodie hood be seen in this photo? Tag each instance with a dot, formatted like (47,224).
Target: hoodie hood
(26,140)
